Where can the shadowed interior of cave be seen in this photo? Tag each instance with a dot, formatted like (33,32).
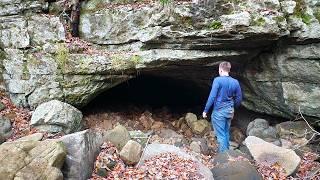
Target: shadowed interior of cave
(150,92)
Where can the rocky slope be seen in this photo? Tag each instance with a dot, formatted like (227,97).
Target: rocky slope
(273,46)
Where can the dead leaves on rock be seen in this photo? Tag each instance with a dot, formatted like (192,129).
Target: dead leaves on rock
(163,166)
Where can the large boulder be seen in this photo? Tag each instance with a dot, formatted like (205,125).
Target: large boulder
(260,128)
(5,129)
(57,116)
(131,152)
(32,160)
(200,127)
(82,150)
(190,118)
(264,152)
(294,129)
(233,165)
(118,136)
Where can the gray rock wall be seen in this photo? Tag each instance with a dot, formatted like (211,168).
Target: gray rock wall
(273,46)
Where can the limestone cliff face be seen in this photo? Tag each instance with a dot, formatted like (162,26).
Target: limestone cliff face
(274,47)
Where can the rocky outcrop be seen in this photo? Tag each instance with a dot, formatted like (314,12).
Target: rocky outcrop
(56,116)
(32,160)
(270,44)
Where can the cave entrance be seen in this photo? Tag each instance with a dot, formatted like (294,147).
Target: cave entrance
(152,92)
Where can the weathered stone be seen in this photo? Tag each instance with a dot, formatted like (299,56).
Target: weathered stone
(200,127)
(131,152)
(237,135)
(2,106)
(225,168)
(146,120)
(13,32)
(203,143)
(32,160)
(32,137)
(5,129)
(139,137)
(190,118)
(45,28)
(157,125)
(169,133)
(234,20)
(82,150)
(263,151)
(11,7)
(57,116)
(260,128)
(118,136)
(294,129)
(195,147)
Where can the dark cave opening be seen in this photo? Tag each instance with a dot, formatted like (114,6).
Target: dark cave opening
(155,93)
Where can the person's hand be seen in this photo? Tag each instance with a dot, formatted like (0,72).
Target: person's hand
(204,115)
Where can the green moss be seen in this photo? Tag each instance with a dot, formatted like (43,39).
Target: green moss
(215,25)
(300,12)
(2,55)
(136,59)
(165,2)
(317,14)
(25,71)
(120,62)
(62,56)
(260,21)
(279,19)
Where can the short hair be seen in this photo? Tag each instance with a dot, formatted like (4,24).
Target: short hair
(225,66)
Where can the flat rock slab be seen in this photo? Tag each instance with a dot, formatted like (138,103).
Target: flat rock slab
(263,151)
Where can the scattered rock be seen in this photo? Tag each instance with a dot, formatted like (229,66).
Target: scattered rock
(2,106)
(56,116)
(139,137)
(146,119)
(195,147)
(234,165)
(131,152)
(233,145)
(293,129)
(286,144)
(263,151)
(5,129)
(200,127)
(157,125)
(118,136)
(82,149)
(203,145)
(32,160)
(190,118)
(237,135)
(169,133)
(32,137)
(260,128)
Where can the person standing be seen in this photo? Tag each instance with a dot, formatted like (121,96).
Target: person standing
(225,95)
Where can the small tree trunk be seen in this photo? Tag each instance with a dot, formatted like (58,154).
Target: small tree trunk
(75,18)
